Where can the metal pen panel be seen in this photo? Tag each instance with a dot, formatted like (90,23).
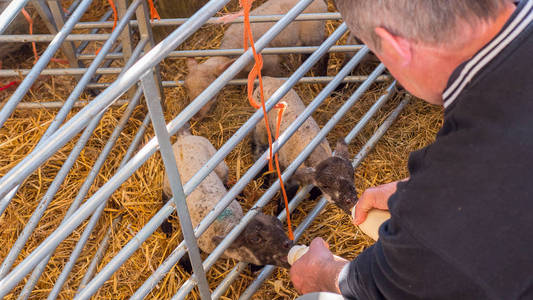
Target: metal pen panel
(122,79)
(9,14)
(176,255)
(265,198)
(119,87)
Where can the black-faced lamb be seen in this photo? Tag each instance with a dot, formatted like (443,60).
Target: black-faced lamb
(302,33)
(335,174)
(262,242)
(334,177)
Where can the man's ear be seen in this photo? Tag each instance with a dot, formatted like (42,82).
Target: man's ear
(393,46)
(304,176)
(221,68)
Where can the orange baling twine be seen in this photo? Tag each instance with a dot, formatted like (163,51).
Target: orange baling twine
(153,10)
(256,73)
(153,14)
(115,19)
(34,47)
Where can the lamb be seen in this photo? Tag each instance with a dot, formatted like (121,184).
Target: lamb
(334,174)
(301,138)
(191,153)
(305,33)
(335,178)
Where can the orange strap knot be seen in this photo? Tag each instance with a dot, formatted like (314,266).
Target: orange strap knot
(153,10)
(256,73)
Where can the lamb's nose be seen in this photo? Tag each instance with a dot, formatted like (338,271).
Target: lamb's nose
(287,244)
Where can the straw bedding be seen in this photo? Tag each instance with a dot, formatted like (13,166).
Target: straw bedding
(139,198)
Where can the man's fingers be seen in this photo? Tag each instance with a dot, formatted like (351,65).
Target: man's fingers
(363,206)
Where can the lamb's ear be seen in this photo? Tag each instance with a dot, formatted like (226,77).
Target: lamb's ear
(191,63)
(221,68)
(304,176)
(341,150)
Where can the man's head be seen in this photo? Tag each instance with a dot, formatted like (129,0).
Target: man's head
(422,42)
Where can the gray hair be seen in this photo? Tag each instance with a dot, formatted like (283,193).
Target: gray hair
(428,21)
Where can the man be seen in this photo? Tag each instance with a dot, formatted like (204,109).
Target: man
(462,223)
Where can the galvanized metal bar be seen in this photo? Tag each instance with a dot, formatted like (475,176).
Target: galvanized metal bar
(303,192)
(26,84)
(41,38)
(84,189)
(125,37)
(254,286)
(303,80)
(153,91)
(77,122)
(73,6)
(267,271)
(176,255)
(216,20)
(46,15)
(74,124)
(104,244)
(217,158)
(76,93)
(235,52)
(154,99)
(228,279)
(100,252)
(68,47)
(10,12)
(83,45)
(45,201)
(265,198)
(58,138)
(177,83)
(89,180)
(136,141)
(59,104)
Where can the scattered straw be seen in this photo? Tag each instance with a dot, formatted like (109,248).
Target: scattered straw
(139,198)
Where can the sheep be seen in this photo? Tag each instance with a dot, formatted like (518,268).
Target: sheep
(191,153)
(334,174)
(305,33)
(335,178)
(301,137)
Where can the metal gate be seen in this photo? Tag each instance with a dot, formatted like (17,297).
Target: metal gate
(139,77)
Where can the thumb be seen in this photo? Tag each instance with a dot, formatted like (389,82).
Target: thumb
(318,243)
(360,211)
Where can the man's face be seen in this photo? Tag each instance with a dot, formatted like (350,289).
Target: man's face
(413,74)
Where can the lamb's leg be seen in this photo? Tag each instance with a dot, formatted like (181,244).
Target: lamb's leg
(166,226)
(258,148)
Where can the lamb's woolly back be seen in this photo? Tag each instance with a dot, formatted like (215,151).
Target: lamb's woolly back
(303,135)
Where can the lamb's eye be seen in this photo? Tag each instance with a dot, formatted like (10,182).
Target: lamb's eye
(256,239)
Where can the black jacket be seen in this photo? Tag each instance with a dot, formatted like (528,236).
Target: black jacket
(462,226)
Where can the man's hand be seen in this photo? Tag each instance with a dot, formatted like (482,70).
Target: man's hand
(376,197)
(318,270)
